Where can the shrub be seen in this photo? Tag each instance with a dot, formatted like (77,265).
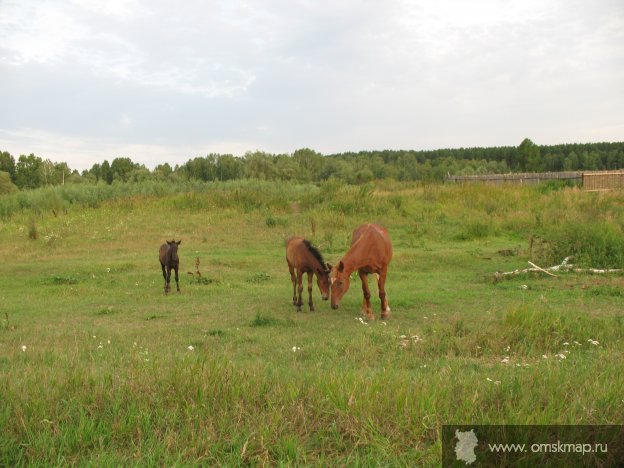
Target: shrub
(598,245)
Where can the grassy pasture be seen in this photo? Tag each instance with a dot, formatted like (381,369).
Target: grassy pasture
(98,366)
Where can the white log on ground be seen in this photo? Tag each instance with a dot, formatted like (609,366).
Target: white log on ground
(563,266)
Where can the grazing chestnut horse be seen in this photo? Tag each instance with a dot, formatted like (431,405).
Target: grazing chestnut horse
(370,252)
(302,257)
(169,260)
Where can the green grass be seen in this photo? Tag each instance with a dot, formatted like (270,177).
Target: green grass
(98,366)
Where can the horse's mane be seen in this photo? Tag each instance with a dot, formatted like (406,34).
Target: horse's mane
(315,252)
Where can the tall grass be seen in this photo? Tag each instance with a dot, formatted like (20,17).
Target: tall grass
(98,367)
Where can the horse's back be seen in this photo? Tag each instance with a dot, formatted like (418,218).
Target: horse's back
(293,246)
(375,239)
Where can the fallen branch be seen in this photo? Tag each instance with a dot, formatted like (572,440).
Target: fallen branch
(541,269)
(563,266)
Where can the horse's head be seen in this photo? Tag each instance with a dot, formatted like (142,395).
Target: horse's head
(173,248)
(323,280)
(339,284)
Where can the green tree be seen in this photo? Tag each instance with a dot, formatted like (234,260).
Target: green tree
(259,165)
(7,164)
(29,172)
(106,174)
(229,167)
(163,172)
(529,156)
(122,169)
(6,184)
(310,164)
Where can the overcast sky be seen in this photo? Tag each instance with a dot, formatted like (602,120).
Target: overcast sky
(159,81)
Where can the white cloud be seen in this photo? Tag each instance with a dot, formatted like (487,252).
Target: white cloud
(335,76)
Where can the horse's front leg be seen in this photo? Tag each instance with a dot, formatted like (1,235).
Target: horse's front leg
(310,277)
(381,283)
(366,306)
(177,278)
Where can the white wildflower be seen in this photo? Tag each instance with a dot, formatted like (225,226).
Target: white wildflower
(566,344)
(560,356)
(190,347)
(295,349)
(505,360)
(108,270)
(594,342)
(23,348)
(544,356)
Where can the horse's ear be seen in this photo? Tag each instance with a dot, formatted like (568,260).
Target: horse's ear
(179,242)
(341,267)
(328,267)
(169,242)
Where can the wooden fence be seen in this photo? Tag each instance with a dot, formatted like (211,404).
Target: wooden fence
(518,178)
(590,180)
(605,180)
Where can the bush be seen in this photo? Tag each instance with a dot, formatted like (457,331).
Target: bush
(598,245)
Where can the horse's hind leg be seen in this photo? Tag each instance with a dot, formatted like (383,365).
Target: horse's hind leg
(381,283)
(177,279)
(293,279)
(299,290)
(162,265)
(168,279)
(366,306)
(310,277)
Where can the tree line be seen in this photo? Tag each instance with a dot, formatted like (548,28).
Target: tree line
(306,165)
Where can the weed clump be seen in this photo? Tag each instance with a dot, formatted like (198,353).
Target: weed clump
(597,245)
(33,233)
(264,321)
